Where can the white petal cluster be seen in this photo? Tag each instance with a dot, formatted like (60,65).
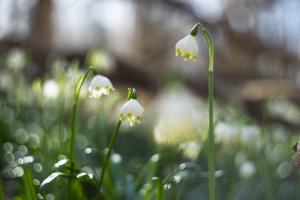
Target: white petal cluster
(179,120)
(100,85)
(132,112)
(187,48)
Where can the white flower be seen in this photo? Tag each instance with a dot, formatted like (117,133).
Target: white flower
(100,85)
(132,112)
(187,48)
(51,89)
(179,121)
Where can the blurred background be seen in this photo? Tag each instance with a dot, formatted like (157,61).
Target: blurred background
(46,45)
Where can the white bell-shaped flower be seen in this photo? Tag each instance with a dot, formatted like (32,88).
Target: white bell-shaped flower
(132,112)
(100,85)
(187,48)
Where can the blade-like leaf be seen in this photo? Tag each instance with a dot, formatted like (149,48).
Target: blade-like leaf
(52,177)
(66,166)
(62,162)
(88,178)
(28,188)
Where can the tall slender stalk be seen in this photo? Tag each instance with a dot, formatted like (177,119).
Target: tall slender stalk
(159,189)
(131,93)
(77,89)
(211,141)
(107,157)
(211,136)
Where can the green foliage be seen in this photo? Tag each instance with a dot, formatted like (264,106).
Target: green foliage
(253,160)
(28,190)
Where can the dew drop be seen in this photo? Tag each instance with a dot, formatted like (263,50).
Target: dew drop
(38,167)
(116,158)
(36,182)
(23,150)
(88,150)
(8,147)
(9,157)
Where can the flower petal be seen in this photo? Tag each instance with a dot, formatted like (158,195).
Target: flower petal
(187,47)
(100,85)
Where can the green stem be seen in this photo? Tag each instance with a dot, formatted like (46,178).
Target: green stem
(107,157)
(77,89)
(211,136)
(74,114)
(131,94)
(211,141)
(160,189)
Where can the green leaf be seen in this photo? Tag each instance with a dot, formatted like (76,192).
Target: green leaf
(89,184)
(87,178)
(62,162)
(28,188)
(52,177)
(66,166)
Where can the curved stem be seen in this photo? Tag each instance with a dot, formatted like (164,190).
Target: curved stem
(211,136)
(210,50)
(74,114)
(209,41)
(77,89)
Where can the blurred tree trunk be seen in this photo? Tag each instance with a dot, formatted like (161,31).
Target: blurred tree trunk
(41,30)
(41,26)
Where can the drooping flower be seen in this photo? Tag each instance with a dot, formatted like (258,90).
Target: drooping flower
(132,112)
(100,85)
(187,48)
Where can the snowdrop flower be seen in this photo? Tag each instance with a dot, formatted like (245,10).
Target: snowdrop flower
(132,112)
(100,85)
(187,48)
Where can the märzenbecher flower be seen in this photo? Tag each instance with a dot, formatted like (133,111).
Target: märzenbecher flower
(187,48)
(132,112)
(100,85)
